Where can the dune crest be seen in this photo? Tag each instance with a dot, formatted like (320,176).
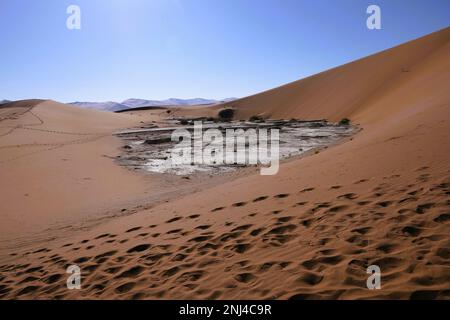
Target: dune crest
(348,90)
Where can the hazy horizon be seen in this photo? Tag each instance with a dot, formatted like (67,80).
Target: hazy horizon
(159,49)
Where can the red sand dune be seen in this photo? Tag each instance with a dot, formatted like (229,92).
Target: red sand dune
(309,232)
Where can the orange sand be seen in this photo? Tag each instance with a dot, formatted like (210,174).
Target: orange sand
(309,232)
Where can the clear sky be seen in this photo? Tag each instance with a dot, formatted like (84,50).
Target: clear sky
(156,49)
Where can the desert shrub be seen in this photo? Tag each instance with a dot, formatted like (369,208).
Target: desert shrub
(344,122)
(226,114)
(256,119)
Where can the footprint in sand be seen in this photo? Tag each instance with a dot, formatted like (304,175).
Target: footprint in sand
(389,263)
(241,248)
(284,219)
(306,222)
(387,247)
(424,295)
(133,229)
(239,204)
(285,264)
(191,276)
(28,279)
(338,208)
(407,200)
(174,231)
(422,208)
(411,231)
(362,230)
(131,273)
(173,220)
(102,236)
(282,229)
(106,254)
(444,253)
(415,192)
(262,198)
(139,248)
(300,204)
(200,239)
(203,227)
(41,250)
(349,196)
(244,277)
(423,177)
(265,266)
(27,290)
(242,228)
(170,272)
(230,235)
(384,204)
(281,195)
(142,235)
(82,260)
(179,257)
(442,218)
(256,232)
(124,288)
(310,278)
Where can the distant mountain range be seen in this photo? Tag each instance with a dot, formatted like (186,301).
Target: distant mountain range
(137,103)
(4,101)
(105,106)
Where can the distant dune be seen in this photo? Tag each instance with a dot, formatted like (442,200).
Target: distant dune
(309,232)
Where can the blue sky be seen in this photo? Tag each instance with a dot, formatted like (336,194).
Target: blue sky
(156,49)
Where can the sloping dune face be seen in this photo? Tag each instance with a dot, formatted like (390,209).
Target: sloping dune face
(310,231)
(54,165)
(351,89)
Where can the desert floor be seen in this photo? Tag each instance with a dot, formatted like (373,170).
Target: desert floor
(381,197)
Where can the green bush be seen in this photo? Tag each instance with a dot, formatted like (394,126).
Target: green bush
(226,114)
(344,122)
